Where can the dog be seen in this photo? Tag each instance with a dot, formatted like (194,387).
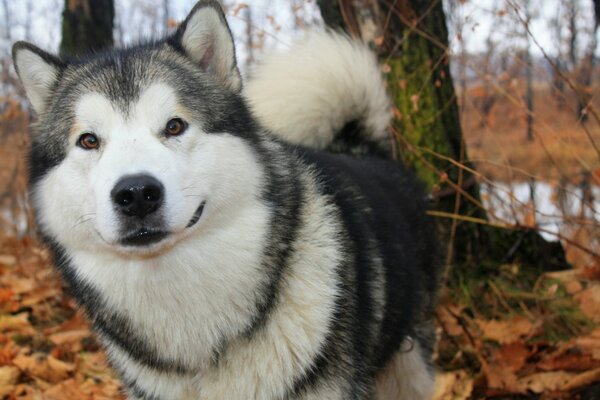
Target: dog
(230,243)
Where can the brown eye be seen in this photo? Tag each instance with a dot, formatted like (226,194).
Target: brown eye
(88,141)
(175,126)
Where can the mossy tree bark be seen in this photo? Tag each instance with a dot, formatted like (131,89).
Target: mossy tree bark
(411,39)
(87,26)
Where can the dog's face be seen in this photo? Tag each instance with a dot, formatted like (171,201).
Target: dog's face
(139,148)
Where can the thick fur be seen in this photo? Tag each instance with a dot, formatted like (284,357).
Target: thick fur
(307,95)
(285,272)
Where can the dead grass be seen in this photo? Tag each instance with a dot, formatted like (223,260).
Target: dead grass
(498,144)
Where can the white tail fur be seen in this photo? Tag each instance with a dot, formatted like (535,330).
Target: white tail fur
(307,94)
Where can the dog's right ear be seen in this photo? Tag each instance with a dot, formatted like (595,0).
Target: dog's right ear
(38,71)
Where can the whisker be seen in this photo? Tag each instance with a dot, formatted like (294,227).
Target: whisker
(82,221)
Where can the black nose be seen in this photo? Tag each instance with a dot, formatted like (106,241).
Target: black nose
(138,195)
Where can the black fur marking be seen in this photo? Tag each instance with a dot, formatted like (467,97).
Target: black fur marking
(285,196)
(108,323)
(353,139)
(379,203)
(133,387)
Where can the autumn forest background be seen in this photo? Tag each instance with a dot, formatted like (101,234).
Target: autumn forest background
(497,109)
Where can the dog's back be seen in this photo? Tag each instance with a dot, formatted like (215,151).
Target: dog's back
(326,95)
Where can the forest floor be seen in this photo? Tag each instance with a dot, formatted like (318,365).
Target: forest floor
(504,332)
(495,131)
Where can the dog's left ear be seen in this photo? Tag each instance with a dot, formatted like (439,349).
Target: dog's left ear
(206,39)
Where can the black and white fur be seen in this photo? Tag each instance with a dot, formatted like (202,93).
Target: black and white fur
(269,270)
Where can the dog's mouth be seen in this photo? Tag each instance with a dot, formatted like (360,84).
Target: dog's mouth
(145,236)
(197,214)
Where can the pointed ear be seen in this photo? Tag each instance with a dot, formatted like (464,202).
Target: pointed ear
(38,71)
(206,39)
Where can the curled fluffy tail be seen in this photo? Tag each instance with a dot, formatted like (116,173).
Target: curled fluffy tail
(326,92)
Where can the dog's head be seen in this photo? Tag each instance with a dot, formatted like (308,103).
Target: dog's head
(137,148)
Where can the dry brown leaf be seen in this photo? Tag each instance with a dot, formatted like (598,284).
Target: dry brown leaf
(7,260)
(571,359)
(66,390)
(573,287)
(107,387)
(40,295)
(564,277)
(589,344)
(44,367)
(545,381)
(22,285)
(513,355)
(583,379)
(456,385)
(507,331)
(589,302)
(9,376)
(500,377)
(61,338)
(14,322)
(449,323)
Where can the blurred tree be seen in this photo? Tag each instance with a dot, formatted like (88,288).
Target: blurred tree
(528,61)
(411,38)
(87,26)
(560,68)
(586,68)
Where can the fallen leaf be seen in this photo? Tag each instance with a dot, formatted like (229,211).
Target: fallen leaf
(589,344)
(564,277)
(7,260)
(6,294)
(456,385)
(450,324)
(500,377)
(545,381)
(66,390)
(14,322)
(23,285)
(513,355)
(589,302)
(69,336)
(44,367)
(573,287)
(506,331)
(9,375)
(40,295)
(582,380)
(571,358)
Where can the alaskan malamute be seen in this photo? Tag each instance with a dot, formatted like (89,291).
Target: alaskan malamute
(231,244)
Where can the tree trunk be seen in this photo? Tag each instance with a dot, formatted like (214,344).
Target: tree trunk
(586,69)
(528,75)
(412,39)
(87,26)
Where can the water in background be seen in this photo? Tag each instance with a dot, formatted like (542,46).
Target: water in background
(550,208)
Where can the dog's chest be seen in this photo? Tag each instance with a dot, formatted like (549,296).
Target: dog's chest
(181,307)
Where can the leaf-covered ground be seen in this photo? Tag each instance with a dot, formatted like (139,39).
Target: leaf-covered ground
(47,351)
(506,336)
(514,334)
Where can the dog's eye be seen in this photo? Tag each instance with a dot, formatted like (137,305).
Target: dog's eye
(175,127)
(88,141)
